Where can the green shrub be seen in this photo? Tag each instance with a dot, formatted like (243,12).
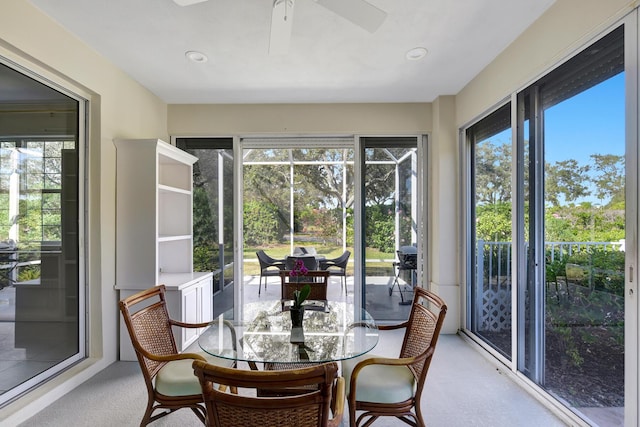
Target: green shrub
(28,273)
(262,223)
(380,227)
(203,258)
(605,269)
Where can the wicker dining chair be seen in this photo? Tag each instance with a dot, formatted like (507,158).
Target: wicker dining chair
(317,279)
(323,405)
(289,284)
(385,386)
(167,374)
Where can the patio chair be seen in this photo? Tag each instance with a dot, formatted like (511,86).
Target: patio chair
(309,261)
(322,405)
(337,267)
(385,386)
(407,261)
(304,250)
(167,374)
(269,267)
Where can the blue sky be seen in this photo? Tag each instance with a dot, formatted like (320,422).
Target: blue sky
(591,122)
(588,123)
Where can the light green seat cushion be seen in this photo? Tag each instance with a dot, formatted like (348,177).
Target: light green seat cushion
(176,378)
(380,383)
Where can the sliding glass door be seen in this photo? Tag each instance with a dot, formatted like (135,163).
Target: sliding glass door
(41,287)
(297,200)
(297,196)
(391,225)
(556,244)
(213,214)
(491,245)
(573,223)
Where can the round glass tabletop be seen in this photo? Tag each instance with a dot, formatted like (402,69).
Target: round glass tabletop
(331,331)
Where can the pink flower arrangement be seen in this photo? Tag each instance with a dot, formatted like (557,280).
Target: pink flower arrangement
(299,269)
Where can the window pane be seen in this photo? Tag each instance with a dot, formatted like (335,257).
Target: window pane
(40,307)
(570,231)
(491,221)
(584,231)
(213,214)
(295,199)
(390,226)
(39,258)
(574,306)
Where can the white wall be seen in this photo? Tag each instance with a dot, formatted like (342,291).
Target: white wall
(119,107)
(444,237)
(564,29)
(283,119)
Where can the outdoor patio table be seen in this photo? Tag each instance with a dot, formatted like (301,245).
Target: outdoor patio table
(310,261)
(264,334)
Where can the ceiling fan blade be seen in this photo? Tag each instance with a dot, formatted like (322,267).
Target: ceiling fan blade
(360,12)
(281,25)
(187,2)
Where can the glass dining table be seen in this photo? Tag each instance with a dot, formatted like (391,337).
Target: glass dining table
(331,331)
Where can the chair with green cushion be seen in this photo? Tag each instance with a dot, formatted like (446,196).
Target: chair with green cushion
(168,374)
(382,386)
(318,402)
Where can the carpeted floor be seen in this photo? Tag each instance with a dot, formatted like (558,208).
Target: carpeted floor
(463,389)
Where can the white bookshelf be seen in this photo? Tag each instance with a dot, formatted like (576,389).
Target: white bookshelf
(154,232)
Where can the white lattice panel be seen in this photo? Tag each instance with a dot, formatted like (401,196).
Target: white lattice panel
(496,310)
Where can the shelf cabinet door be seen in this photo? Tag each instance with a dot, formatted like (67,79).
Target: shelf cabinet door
(191,312)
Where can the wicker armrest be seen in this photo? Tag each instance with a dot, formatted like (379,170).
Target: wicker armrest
(188,325)
(170,357)
(337,408)
(391,327)
(194,356)
(377,360)
(405,361)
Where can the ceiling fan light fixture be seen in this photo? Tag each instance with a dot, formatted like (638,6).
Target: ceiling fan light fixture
(195,56)
(281,26)
(416,53)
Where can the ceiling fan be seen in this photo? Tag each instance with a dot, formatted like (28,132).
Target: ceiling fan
(359,12)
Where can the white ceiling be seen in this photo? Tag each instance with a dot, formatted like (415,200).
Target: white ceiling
(329,60)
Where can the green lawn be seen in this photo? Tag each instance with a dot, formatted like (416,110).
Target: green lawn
(374,267)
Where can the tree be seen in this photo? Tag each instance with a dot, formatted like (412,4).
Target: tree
(567,179)
(379,187)
(261,224)
(609,180)
(323,181)
(268,184)
(492,173)
(493,222)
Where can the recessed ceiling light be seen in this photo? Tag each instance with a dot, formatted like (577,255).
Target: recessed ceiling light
(416,53)
(195,56)
(187,2)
